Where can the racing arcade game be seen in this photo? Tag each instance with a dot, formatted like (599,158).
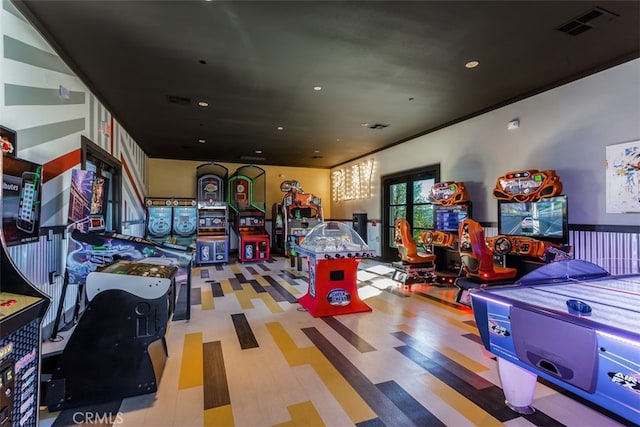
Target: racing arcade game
(212,241)
(532,227)
(302,212)
(247,200)
(451,205)
(22,305)
(414,267)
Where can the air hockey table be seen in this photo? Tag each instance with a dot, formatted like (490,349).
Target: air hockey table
(571,323)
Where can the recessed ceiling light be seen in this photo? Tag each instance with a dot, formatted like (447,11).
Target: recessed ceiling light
(280,128)
(258,151)
(203,104)
(472,64)
(316,151)
(317,88)
(202,141)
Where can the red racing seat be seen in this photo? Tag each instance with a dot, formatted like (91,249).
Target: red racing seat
(475,255)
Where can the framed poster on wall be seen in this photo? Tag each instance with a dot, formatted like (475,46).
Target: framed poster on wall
(623,177)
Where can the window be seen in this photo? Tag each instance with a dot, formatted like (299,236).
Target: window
(406,195)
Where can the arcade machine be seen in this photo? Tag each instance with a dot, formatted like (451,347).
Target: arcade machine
(333,251)
(532,220)
(247,194)
(22,305)
(127,287)
(159,219)
(571,324)
(118,348)
(212,241)
(185,219)
(414,266)
(451,205)
(90,248)
(532,227)
(277,228)
(302,212)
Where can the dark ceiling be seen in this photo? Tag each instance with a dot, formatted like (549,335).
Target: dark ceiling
(389,70)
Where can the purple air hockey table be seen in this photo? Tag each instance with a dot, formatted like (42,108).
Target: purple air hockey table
(571,323)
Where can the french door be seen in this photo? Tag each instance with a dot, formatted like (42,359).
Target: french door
(406,195)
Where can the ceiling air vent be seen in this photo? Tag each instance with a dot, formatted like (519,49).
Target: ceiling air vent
(586,21)
(180,100)
(378,126)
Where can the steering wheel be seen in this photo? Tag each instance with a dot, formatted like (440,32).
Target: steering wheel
(502,245)
(427,237)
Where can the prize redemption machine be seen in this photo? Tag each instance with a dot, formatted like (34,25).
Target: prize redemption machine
(532,227)
(333,251)
(247,193)
(451,205)
(212,241)
(171,221)
(302,212)
(22,305)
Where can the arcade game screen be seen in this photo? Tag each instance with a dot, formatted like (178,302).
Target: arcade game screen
(448,218)
(545,219)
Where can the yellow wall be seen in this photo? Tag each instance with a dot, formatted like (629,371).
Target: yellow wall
(177,178)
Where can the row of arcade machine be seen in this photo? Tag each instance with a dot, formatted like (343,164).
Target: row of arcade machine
(171,221)
(236,201)
(431,256)
(22,305)
(294,218)
(532,227)
(532,232)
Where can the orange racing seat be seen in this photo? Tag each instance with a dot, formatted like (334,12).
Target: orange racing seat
(407,248)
